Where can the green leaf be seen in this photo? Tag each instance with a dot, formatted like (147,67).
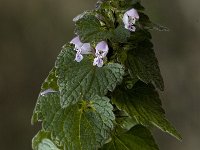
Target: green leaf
(42,142)
(89,28)
(145,23)
(80,16)
(137,138)
(153,26)
(120,34)
(83,126)
(142,102)
(142,61)
(50,82)
(123,120)
(83,80)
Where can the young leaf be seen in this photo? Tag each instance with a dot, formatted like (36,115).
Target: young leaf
(86,125)
(89,29)
(42,142)
(142,102)
(83,80)
(137,138)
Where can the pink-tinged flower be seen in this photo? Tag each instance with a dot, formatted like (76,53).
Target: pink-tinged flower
(129,19)
(98,61)
(80,48)
(101,52)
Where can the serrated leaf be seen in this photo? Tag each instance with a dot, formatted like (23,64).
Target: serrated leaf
(145,23)
(137,138)
(89,29)
(153,26)
(83,126)
(142,102)
(80,16)
(48,86)
(143,63)
(42,142)
(83,80)
(50,82)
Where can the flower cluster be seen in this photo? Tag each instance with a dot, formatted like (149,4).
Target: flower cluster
(85,48)
(101,50)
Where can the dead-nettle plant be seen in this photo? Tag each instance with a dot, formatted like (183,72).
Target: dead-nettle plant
(102,91)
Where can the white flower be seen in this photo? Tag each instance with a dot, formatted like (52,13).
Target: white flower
(101,52)
(81,48)
(129,19)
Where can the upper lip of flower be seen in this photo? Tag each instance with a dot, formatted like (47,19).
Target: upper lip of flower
(81,48)
(133,13)
(76,41)
(101,49)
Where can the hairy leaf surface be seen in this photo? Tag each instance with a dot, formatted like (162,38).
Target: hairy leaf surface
(83,126)
(83,80)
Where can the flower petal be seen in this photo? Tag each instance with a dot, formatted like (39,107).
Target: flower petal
(86,49)
(133,13)
(78,57)
(126,26)
(125,19)
(101,49)
(131,28)
(98,61)
(102,46)
(76,41)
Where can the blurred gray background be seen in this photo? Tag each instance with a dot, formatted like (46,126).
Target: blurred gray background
(32,33)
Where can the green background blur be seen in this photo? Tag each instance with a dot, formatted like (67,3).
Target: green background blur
(32,33)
